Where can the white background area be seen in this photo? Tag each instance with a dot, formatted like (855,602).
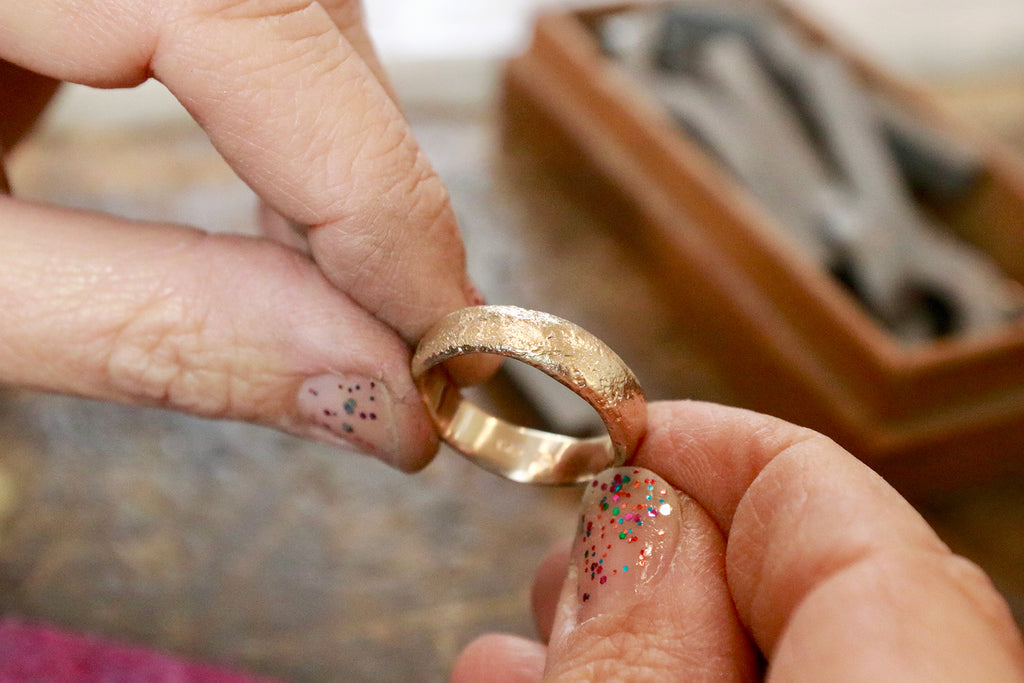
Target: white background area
(917,35)
(422,41)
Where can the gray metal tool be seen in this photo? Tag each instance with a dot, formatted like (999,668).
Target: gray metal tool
(796,128)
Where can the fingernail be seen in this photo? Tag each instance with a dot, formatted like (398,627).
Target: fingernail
(351,411)
(628,532)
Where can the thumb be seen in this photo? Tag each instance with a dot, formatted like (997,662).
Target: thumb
(645,597)
(214,325)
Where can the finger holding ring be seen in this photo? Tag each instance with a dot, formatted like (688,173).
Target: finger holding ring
(559,348)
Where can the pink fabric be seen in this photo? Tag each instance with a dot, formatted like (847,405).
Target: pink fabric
(43,654)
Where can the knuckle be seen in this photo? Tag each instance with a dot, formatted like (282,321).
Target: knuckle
(152,355)
(415,209)
(384,142)
(432,211)
(175,347)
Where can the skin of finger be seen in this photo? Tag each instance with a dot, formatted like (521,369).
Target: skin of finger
(382,228)
(50,20)
(547,587)
(276,227)
(348,17)
(956,631)
(291,105)
(797,509)
(464,370)
(500,658)
(214,325)
(812,511)
(682,628)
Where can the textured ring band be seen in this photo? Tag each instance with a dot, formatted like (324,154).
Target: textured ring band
(559,348)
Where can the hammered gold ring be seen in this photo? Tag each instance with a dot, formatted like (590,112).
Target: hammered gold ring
(563,350)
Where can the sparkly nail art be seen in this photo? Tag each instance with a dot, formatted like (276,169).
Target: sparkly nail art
(629,523)
(355,409)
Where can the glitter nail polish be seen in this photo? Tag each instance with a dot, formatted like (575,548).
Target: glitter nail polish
(350,410)
(629,528)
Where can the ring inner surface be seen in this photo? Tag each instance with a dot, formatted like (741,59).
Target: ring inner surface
(519,453)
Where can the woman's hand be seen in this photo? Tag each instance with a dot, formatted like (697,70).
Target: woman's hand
(312,340)
(777,542)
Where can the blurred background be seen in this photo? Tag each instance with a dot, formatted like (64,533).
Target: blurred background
(233,544)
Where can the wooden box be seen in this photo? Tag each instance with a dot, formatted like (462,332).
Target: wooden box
(789,340)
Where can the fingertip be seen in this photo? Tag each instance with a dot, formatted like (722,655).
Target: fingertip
(547,586)
(496,657)
(714,452)
(645,594)
(368,415)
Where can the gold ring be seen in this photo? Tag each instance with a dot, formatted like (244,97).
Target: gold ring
(563,350)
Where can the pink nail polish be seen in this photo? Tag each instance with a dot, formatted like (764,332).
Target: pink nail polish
(628,531)
(351,410)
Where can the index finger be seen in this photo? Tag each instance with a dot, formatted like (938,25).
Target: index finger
(833,573)
(299,115)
